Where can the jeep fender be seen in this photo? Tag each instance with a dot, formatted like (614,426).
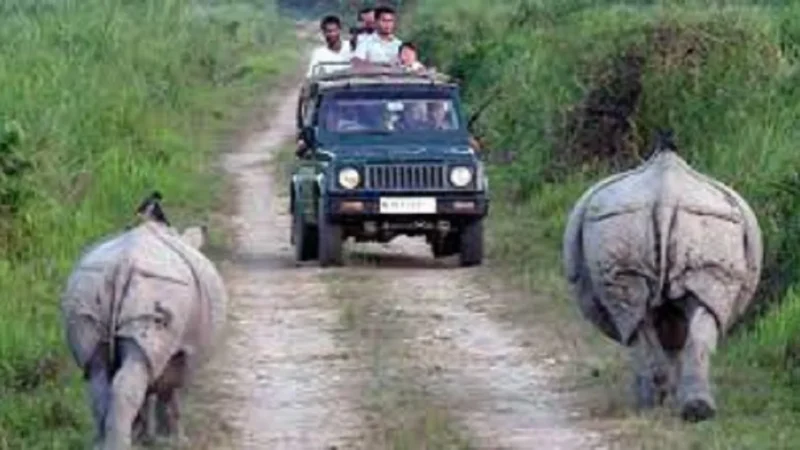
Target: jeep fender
(294,191)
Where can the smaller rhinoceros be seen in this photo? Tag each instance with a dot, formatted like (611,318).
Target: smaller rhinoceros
(142,309)
(663,259)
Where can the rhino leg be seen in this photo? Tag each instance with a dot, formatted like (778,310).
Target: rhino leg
(128,392)
(694,388)
(99,390)
(174,423)
(144,427)
(169,396)
(651,368)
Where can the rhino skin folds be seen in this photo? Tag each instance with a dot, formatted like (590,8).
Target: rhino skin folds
(149,285)
(655,234)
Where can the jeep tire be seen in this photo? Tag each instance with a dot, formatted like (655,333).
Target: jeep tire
(471,243)
(304,238)
(329,238)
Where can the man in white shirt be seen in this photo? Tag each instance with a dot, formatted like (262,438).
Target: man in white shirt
(382,47)
(334,51)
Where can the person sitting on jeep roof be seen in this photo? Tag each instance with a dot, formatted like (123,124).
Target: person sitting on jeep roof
(407,57)
(383,46)
(365,28)
(334,50)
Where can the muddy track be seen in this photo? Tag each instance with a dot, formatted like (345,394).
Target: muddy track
(500,387)
(284,379)
(280,378)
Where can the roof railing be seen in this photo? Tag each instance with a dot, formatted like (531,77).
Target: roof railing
(319,69)
(375,71)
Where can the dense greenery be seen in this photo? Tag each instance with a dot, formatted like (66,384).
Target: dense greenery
(102,101)
(578,87)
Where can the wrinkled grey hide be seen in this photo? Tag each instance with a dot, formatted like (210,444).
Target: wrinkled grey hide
(142,310)
(663,259)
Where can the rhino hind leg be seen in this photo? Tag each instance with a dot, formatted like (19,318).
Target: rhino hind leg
(99,389)
(128,391)
(694,388)
(652,368)
(144,426)
(170,385)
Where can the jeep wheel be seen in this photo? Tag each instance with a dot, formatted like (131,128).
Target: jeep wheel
(330,239)
(471,245)
(304,238)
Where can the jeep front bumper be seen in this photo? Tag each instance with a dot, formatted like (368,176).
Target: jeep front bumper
(461,205)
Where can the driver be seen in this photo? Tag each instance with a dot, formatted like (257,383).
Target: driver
(439,116)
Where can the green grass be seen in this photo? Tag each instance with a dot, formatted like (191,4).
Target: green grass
(101,102)
(733,103)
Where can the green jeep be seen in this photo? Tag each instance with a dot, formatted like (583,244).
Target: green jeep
(381,153)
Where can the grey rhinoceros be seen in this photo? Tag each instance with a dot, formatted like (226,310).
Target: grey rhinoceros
(663,259)
(142,309)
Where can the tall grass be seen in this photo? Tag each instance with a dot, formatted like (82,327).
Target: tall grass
(102,101)
(723,74)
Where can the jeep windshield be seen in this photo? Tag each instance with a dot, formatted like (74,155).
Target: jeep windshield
(384,112)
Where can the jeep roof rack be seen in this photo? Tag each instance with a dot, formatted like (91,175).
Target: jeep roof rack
(374,74)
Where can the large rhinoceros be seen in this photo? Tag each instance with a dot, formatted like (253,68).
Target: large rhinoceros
(142,309)
(663,259)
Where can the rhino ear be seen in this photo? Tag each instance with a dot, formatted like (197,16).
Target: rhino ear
(194,237)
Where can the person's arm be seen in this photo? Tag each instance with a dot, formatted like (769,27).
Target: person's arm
(360,52)
(314,61)
(474,143)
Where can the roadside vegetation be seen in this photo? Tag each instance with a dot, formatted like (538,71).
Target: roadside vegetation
(100,103)
(577,89)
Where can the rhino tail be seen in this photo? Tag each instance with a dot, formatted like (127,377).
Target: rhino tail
(664,219)
(121,281)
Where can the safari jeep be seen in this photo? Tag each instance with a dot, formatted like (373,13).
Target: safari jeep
(383,153)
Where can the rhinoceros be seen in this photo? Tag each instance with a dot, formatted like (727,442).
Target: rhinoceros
(663,260)
(142,310)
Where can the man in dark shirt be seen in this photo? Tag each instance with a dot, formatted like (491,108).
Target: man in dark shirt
(365,28)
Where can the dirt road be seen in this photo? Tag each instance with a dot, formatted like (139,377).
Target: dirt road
(293,375)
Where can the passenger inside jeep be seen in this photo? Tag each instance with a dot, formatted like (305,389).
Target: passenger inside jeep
(441,117)
(345,117)
(382,115)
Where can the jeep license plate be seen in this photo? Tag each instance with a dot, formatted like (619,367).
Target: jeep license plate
(408,205)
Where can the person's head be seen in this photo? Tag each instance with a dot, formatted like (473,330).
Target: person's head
(407,54)
(438,112)
(366,18)
(385,20)
(331,28)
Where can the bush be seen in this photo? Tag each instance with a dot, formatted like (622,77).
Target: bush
(579,87)
(101,102)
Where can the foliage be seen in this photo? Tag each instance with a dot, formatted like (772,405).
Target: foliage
(578,87)
(102,101)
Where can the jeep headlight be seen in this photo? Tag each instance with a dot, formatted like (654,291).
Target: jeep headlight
(460,176)
(349,178)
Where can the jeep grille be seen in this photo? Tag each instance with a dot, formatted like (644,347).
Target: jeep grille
(406,177)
